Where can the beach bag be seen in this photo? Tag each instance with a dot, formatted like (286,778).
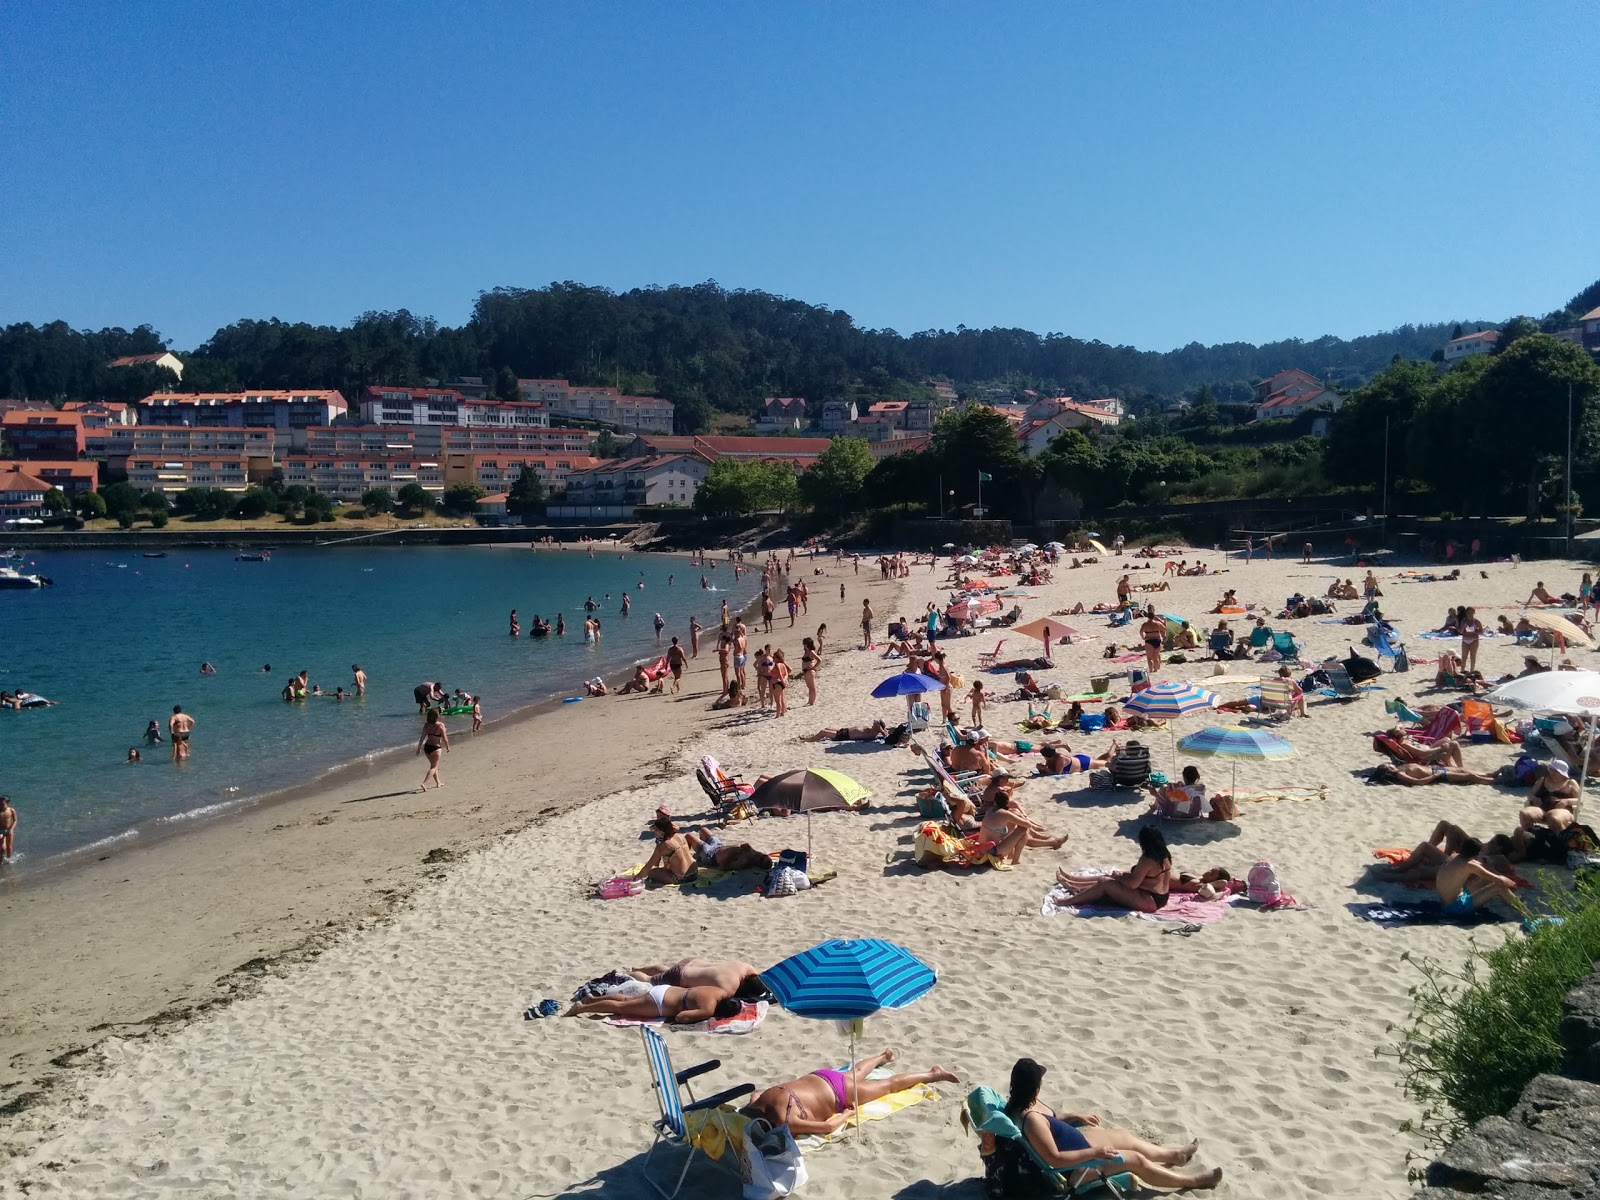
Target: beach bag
(1402,662)
(1222,807)
(957,680)
(795,859)
(1009,1171)
(1100,779)
(620,886)
(1090,722)
(772,1165)
(785,881)
(1261,884)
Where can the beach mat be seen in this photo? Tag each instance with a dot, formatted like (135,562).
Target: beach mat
(745,1020)
(1392,916)
(1180,908)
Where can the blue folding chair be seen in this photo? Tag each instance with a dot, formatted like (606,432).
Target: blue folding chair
(672,1128)
(987,1112)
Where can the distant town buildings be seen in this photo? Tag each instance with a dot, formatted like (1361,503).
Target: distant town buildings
(49,435)
(1291,392)
(21,494)
(614,490)
(837,416)
(1589,330)
(632,414)
(287,413)
(1469,344)
(781,413)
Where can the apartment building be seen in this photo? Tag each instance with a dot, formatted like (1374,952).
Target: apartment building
(430,411)
(634,414)
(116,444)
(346,477)
(325,440)
(98,415)
(71,477)
(287,413)
(48,435)
(498,472)
(492,440)
(170,475)
(617,488)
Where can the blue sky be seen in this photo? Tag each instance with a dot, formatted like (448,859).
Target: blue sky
(1150,174)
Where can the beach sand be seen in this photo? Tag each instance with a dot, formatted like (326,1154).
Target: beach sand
(393,1059)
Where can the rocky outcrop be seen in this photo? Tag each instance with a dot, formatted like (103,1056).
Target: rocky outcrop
(1548,1146)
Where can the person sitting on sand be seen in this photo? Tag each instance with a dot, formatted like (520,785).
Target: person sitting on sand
(732,698)
(639,683)
(1540,596)
(1553,798)
(1184,801)
(1343,590)
(680,1006)
(1067,1140)
(1465,885)
(1531,666)
(1012,830)
(594,687)
(849,733)
(1143,889)
(820,1103)
(672,861)
(1058,759)
(1186,638)
(1418,775)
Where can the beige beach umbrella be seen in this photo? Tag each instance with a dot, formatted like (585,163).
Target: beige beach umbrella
(1572,634)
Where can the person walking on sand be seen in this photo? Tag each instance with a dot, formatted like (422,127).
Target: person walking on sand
(766,611)
(360,677)
(695,630)
(1305,553)
(867,616)
(8,830)
(975,699)
(724,655)
(1471,630)
(676,660)
(179,726)
(477,713)
(1154,635)
(435,740)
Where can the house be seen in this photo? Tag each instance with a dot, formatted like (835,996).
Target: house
(36,406)
(472,387)
(904,443)
(919,416)
(1280,405)
(1108,404)
(1589,325)
(70,476)
(1293,382)
(799,452)
(633,414)
(171,475)
(875,427)
(165,359)
(1080,414)
(837,415)
(617,488)
(781,412)
(944,392)
(891,411)
(21,495)
(1035,435)
(117,444)
(288,412)
(1469,344)
(98,415)
(49,435)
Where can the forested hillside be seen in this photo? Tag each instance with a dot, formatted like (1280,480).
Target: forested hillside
(706,348)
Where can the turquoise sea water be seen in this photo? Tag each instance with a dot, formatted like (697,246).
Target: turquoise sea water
(120,638)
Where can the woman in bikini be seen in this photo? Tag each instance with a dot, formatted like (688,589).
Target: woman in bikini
(779,684)
(1067,1140)
(680,1006)
(810,660)
(435,740)
(1143,889)
(672,861)
(820,1102)
(1059,760)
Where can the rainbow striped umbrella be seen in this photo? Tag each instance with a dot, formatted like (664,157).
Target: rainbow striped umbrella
(1165,701)
(1236,742)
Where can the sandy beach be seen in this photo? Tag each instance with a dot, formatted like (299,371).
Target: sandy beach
(374,1044)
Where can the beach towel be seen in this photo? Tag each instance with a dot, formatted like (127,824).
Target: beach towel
(886,1106)
(745,1020)
(1396,856)
(1128,658)
(1283,792)
(1182,908)
(1392,916)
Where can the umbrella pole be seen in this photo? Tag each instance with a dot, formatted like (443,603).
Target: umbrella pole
(855,1084)
(808,843)
(1583,767)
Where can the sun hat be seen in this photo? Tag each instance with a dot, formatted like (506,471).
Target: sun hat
(1558,765)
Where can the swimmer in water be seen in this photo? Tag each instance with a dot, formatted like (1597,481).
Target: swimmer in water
(133,754)
(207,669)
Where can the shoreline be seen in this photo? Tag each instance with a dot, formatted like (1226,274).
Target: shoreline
(166,932)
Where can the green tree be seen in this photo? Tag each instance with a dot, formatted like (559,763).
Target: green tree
(731,488)
(188,501)
(833,484)
(89,505)
(292,500)
(1073,463)
(120,498)
(979,440)
(253,504)
(1355,449)
(462,498)
(319,507)
(415,498)
(505,384)
(1515,329)
(154,502)
(377,500)
(776,486)
(526,496)
(55,501)
(607,445)
(159,519)
(905,479)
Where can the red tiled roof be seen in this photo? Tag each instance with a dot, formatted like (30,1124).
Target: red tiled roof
(1487,335)
(133,360)
(1592,315)
(34,419)
(20,481)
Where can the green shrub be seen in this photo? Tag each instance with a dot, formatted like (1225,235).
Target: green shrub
(1477,1037)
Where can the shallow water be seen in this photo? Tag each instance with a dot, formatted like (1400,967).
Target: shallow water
(119,640)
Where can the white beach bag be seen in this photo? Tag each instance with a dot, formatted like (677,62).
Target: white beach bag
(773,1165)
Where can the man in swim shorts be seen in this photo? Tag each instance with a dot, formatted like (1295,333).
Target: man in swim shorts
(179,726)
(8,829)
(820,1102)
(1420,775)
(427,694)
(1465,884)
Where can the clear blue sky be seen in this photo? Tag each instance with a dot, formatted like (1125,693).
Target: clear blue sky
(1150,174)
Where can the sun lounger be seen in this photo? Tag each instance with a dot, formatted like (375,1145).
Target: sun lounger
(1444,724)
(1283,643)
(986,1111)
(672,1128)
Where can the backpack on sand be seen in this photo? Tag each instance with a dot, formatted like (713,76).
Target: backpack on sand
(1261,884)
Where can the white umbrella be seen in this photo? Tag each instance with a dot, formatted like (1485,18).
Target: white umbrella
(1054,546)
(1026,548)
(1565,692)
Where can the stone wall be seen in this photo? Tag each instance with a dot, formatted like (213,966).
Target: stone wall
(1548,1146)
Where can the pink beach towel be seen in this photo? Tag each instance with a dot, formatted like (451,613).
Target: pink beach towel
(1183,908)
(745,1021)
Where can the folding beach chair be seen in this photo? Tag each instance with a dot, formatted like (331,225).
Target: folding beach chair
(1277,698)
(1378,638)
(1339,686)
(987,661)
(1131,767)
(917,717)
(728,787)
(1444,724)
(1283,643)
(964,784)
(672,1128)
(1220,644)
(986,1112)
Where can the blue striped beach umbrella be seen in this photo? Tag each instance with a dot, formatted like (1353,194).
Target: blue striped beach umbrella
(1236,742)
(848,980)
(1175,698)
(842,979)
(907,683)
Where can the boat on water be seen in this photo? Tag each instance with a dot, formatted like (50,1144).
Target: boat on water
(248,556)
(12,578)
(157,554)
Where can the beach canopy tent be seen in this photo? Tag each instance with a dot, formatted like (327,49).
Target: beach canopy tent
(1047,629)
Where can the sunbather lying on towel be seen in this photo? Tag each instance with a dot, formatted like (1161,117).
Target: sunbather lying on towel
(849,733)
(710,851)
(681,1006)
(1422,866)
(729,976)
(1059,760)
(1418,775)
(820,1102)
(1067,1139)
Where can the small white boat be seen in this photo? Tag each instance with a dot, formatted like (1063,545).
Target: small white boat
(10,577)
